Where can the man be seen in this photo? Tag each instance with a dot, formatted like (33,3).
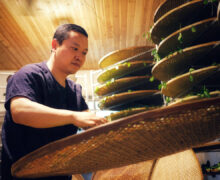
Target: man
(42,105)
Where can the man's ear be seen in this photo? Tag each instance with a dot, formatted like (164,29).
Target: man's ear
(54,44)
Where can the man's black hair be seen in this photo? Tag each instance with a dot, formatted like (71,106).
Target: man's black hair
(62,32)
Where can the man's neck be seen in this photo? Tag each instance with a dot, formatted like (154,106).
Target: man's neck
(59,76)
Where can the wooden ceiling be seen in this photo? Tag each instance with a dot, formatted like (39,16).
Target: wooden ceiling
(27,27)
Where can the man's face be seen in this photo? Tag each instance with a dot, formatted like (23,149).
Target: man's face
(71,54)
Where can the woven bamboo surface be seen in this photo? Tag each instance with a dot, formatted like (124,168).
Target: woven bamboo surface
(133,68)
(125,84)
(139,171)
(193,98)
(206,30)
(182,165)
(144,136)
(181,16)
(181,85)
(166,6)
(177,63)
(126,100)
(128,112)
(77,177)
(122,54)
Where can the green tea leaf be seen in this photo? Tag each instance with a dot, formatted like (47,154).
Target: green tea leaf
(164,84)
(96,89)
(156,55)
(151,79)
(108,83)
(153,52)
(180,38)
(193,29)
(103,100)
(191,70)
(129,64)
(204,93)
(167,99)
(147,35)
(160,86)
(180,50)
(190,75)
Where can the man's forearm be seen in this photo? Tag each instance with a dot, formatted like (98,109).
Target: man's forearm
(29,113)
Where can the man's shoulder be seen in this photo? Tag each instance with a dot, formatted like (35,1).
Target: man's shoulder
(35,67)
(30,71)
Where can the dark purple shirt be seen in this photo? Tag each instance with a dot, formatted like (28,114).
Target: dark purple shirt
(35,82)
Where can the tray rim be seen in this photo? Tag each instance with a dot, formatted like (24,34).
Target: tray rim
(111,126)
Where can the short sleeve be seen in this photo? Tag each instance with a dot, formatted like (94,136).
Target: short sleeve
(24,83)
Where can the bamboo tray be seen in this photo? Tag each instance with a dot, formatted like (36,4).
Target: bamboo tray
(181,85)
(166,6)
(126,100)
(182,16)
(134,68)
(125,84)
(129,54)
(140,137)
(171,66)
(206,31)
(182,165)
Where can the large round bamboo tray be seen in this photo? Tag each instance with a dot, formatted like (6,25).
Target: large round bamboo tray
(206,31)
(126,100)
(139,171)
(179,62)
(77,177)
(132,53)
(180,17)
(134,68)
(166,6)
(128,112)
(140,137)
(182,165)
(125,84)
(182,85)
(193,98)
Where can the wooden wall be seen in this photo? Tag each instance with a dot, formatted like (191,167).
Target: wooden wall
(27,27)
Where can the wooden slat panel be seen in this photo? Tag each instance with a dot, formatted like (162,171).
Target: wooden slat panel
(27,27)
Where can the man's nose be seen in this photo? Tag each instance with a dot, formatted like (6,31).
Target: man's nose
(78,57)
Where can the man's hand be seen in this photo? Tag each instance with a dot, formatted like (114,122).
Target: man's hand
(29,113)
(87,119)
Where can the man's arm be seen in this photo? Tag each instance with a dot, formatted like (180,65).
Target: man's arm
(29,113)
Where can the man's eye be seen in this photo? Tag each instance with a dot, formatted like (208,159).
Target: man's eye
(84,53)
(75,49)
